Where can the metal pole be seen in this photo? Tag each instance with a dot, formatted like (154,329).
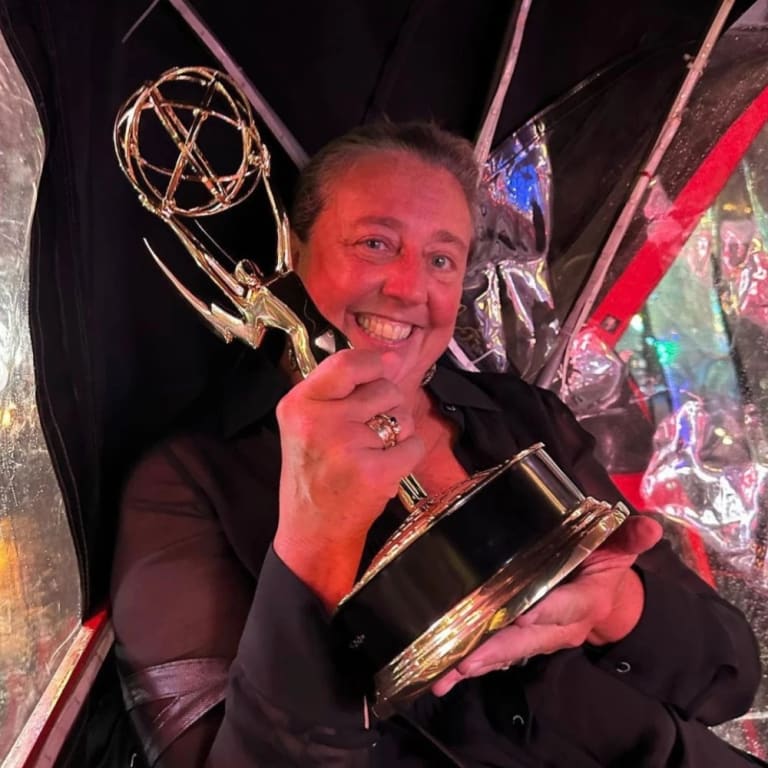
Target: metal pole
(488,128)
(583,306)
(276,126)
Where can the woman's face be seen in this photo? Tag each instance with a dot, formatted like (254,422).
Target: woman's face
(386,256)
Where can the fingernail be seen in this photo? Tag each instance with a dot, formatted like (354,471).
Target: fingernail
(445,690)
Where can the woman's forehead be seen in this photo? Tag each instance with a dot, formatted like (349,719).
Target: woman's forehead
(378,171)
(370,160)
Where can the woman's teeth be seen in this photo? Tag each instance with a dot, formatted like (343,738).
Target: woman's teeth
(384,329)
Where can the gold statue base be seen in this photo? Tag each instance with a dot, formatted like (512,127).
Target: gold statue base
(520,583)
(464,564)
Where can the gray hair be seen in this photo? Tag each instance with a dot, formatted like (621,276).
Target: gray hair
(426,141)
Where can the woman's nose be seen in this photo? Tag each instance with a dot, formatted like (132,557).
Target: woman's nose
(406,280)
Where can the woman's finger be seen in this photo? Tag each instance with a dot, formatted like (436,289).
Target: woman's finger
(339,375)
(637,535)
(372,397)
(510,646)
(446,682)
(566,604)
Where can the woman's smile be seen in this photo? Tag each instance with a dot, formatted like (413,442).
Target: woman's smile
(382,328)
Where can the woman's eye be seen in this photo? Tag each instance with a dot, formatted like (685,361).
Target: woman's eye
(374,244)
(441,261)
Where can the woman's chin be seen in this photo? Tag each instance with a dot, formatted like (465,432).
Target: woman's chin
(402,356)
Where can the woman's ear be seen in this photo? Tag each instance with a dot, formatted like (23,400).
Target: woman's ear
(297,248)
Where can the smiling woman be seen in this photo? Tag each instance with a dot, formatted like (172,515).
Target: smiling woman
(247,533)
(386,255)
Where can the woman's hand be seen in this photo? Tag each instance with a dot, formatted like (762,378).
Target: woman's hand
(335,478)
(601,604)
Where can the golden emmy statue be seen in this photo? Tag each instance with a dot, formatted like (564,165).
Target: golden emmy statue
(452,573)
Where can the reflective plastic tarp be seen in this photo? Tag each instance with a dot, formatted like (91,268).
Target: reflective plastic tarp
(672,378)
(699,347)
(39,580)
(507,310)
(694,357)
(683,351)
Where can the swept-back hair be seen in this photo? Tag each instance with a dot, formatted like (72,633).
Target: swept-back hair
(426,141)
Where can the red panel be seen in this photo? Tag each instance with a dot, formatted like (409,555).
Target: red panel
(650,263)
(629,485)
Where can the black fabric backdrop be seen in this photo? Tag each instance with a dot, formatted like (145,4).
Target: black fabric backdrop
(118,357)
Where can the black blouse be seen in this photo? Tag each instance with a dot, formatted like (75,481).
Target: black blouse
(195,579)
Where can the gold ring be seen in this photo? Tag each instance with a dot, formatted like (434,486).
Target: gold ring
(386,427)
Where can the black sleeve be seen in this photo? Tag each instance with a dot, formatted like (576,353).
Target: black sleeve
(287,704)
(691,649)
(179,594)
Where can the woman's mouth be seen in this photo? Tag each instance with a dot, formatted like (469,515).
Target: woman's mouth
(382,328)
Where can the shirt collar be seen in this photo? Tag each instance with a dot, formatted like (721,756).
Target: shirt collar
(453,387)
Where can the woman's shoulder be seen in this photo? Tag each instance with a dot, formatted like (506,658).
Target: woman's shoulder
(510,392)
(217,436)
(232,483)
(191,458)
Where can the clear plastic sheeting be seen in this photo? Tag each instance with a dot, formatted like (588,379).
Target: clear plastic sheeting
(701,343)
(39,582)
(596,377)
(507,308)
(716,489)
(693,360)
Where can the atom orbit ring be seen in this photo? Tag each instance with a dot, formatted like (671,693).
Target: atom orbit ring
(386,427)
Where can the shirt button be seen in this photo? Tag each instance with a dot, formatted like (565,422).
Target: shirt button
(623,667)
(450,407)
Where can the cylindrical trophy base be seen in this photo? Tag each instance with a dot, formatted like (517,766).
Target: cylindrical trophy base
(515,587)
(464,564)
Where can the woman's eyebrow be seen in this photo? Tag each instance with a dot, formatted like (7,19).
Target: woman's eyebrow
(446,236)
(439,236)
(387,221)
